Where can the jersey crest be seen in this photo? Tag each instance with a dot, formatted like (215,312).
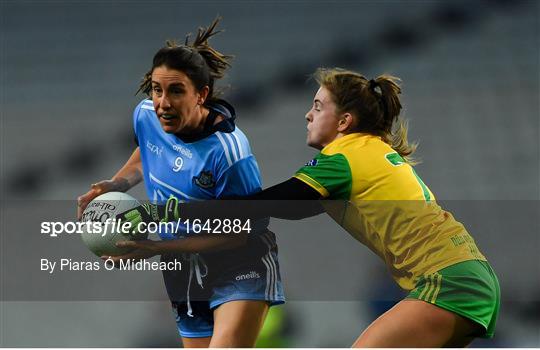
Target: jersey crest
(205,180)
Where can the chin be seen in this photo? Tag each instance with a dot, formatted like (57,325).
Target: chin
(313,144)
(169,129)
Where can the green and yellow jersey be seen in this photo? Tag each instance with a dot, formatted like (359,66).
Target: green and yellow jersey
(388,207)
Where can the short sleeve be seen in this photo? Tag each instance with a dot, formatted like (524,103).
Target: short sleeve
(144,104)
(330,175)
(136,123)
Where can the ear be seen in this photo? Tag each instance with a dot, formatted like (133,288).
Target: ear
(346,122)
(203,94)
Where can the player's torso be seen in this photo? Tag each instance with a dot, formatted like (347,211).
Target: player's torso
(211,167)
(395,214)
(172,167)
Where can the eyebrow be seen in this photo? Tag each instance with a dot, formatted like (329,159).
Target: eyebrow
(318,101)
(179,84)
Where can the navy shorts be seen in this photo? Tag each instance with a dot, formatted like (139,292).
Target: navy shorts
(247,273)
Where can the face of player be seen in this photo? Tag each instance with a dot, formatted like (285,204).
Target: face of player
(178,104)
(322,120)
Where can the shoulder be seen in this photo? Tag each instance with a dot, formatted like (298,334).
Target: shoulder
(232,146)
(231,143)
(358,147)
(144,113)
(143,107)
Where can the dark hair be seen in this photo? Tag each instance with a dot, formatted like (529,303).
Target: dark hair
(198,60)
(374,103)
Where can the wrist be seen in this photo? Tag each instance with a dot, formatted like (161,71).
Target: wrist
(120,184)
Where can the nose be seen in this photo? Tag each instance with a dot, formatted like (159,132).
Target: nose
(308,116)
(164,102)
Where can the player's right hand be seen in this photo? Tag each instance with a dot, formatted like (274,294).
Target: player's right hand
(95,190)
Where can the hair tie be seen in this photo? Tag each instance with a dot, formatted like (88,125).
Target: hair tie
(372,84)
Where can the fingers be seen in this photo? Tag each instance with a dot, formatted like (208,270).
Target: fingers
(95,190)
(145,246)
(127,244)
(103,186)
(82,202)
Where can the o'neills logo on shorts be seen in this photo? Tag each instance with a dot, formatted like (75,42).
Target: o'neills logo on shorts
(248,276)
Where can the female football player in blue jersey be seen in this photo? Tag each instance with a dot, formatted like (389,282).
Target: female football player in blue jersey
(189,147)
(364,164)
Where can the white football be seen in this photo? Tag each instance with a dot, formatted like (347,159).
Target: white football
(101,240)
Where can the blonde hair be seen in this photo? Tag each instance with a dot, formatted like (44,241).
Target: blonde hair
(374,103)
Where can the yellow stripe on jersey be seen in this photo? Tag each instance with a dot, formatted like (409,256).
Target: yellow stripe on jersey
(314,184)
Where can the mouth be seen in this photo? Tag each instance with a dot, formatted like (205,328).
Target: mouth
(168,116)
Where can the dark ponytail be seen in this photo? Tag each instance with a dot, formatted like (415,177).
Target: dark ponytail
(215,60)
(199,61)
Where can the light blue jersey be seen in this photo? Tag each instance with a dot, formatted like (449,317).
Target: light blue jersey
(213,167)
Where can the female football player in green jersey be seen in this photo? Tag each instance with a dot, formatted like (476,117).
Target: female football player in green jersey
(453,292)
(365,161)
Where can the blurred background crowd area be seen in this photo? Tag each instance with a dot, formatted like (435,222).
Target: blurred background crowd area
(470,71)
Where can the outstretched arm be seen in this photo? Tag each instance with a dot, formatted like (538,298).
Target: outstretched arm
(271,202)
(290,200)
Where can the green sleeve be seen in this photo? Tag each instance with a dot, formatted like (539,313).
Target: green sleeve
(328,175)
